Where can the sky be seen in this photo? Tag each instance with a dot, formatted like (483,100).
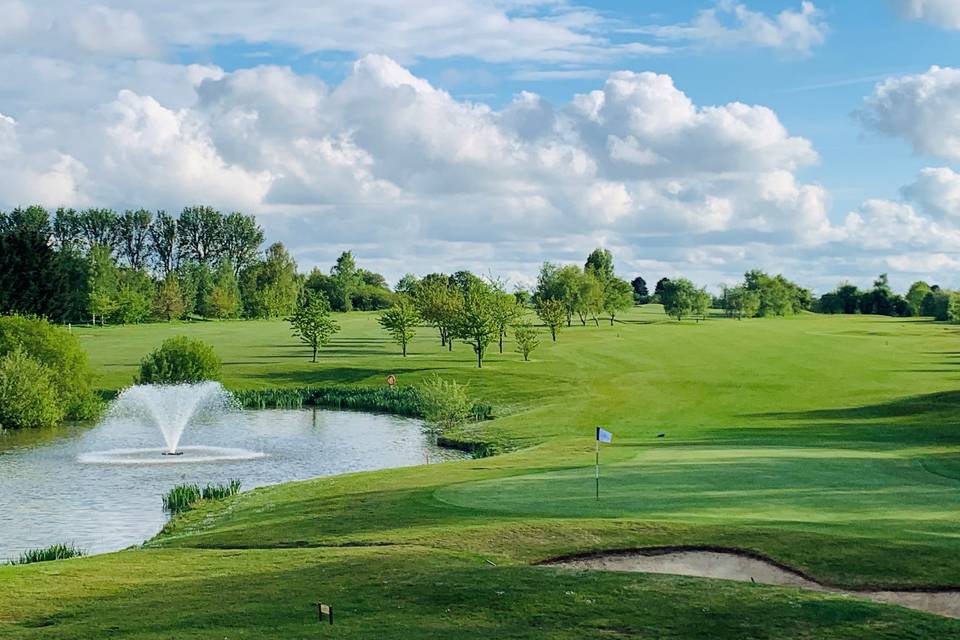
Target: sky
(697,138)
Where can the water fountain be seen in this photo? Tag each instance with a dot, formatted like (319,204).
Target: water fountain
(170,408)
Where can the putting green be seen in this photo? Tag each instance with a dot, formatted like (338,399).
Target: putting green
(889,493)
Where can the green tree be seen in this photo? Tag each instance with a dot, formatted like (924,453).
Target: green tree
(700,304)
(311,322)
(200,232)
(241,239)
(103,284)
(180,359)
(525,335)
(164,243)
(224,299)
(678,298)
(168,302)
(407,285)
(641,295)
(99,228)
(346,279)
(505,311)
(953,307)
(133,303)
(28,395)
(552,313)
(918,291)
(588,297)
(618,296)
(133,237)
(476,324)
(739,302)
(270,287)
(400,321)
(30,277)
(439,304)
(600,263)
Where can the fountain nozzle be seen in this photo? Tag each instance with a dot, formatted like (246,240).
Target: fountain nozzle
(172,453)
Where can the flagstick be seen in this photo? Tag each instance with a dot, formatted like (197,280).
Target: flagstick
(598,468)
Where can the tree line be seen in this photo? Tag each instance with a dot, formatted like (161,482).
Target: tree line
(921,299)
(100,266)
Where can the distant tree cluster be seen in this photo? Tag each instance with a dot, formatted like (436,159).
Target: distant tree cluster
(921,299)
(585,294)
(763,295)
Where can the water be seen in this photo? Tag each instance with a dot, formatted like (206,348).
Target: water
(48,495)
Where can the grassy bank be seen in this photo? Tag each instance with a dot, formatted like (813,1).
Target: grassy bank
(826,443)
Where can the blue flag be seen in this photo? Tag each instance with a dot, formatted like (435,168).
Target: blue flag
(603,435)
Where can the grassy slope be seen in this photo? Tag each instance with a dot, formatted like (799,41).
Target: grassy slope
(827,443)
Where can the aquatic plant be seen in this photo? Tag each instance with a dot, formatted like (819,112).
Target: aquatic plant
(184,497)
(58,551)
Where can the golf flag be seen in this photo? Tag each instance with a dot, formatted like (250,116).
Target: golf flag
(603,435)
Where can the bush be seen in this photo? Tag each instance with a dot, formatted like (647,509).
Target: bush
(28,397)
(444,404)
(53,552)
(62,356)
(180,359)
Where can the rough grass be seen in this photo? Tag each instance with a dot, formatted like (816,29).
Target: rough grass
(825,443)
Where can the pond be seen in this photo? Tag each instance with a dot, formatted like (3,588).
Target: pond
(57,486)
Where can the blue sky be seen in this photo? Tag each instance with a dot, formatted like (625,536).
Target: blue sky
(343,123)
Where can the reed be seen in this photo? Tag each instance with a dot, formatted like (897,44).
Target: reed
(185,497)
(403,401)
(59,551)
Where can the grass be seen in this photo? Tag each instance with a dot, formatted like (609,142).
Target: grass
(185,497)
(59,551)
(825,443)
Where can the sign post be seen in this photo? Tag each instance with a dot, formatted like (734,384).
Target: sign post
(602,436)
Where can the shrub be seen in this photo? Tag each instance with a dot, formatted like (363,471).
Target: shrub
(444,404)
(54,552)
(180,359)
(28,396)
(60,352)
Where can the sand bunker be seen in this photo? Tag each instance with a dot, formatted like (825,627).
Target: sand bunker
(731,565)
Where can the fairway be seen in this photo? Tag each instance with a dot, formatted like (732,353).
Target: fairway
(828,444)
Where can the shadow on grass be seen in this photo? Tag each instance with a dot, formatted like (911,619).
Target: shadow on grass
(927,419)
(320,375)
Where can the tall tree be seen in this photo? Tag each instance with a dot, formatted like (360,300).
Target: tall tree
(439,304)
(641,294)
(505,311)
(346,279)
(918,291)
(600,262)
(242,238)
(104,283)
(475,324)
(201,234)
(400,321)
(66,229)
(133,235)
(312,323)
(617,296)
(224,299)
(99,227)
(164,242)
(30,278)
(270,287)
